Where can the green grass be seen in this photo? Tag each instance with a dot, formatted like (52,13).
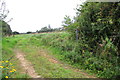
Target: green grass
(61,46)
(76,53)
(54,43)
(31,47)
(47,69)
(8,45)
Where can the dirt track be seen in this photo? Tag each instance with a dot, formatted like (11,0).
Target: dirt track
(27,66)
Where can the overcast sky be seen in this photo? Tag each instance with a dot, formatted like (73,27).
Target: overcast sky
(32,15)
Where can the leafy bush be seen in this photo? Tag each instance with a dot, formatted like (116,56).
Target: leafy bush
(99,34)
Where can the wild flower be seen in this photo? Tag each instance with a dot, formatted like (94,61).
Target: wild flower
(6,61)
(7,69)
(6,76)
(1,66)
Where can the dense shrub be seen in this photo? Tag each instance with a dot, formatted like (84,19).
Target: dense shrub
(99,34)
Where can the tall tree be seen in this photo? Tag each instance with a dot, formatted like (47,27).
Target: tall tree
(5,28)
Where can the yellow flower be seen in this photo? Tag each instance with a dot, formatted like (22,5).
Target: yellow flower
(1,66)
(10,63)
(2,61)
(6,76)
(6,61)
(13,70)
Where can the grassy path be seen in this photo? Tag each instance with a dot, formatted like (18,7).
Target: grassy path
(47,66)
(26,65)
(38,61)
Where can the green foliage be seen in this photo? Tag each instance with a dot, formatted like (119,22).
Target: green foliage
(15,32)
(67,21)
(77,53)
(49,29)
(45,29)
(8,45)
(99,36)
(97,23)
(69,25)
(29,32)
(4,27)
(6,30)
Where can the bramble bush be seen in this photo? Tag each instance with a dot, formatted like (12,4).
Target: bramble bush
(99,37)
